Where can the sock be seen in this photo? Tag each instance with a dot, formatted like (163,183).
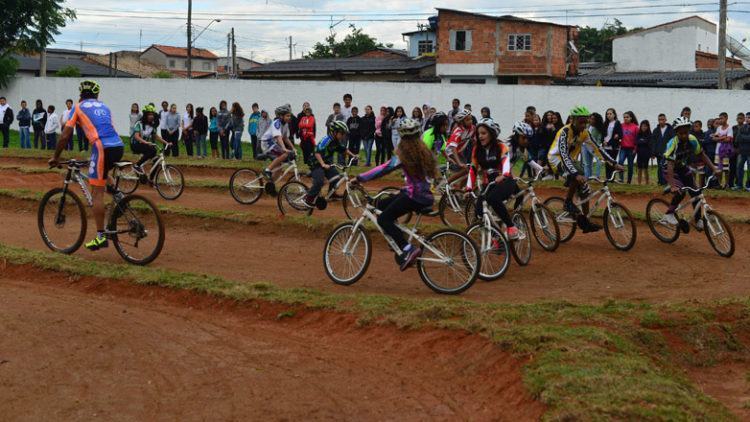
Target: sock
(407,248)
(100,234)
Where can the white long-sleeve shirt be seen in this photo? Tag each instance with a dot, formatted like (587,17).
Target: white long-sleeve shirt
(53,123)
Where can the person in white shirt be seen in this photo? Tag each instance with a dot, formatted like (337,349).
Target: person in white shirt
(163,119)
(346,110)
(51,127)
(64,117)
(186,124)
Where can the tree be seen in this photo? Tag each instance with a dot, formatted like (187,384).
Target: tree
(162,74)
(69,72)
(595,45)
(357,42)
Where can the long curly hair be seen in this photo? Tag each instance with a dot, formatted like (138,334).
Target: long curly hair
(416,159)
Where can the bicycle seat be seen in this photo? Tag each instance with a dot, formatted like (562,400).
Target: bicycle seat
(428,212)
(263,157)
(123,164)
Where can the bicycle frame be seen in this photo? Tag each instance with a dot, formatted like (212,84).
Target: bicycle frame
(447,189)
(287,167)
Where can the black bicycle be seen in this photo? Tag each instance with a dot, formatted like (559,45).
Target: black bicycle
(135,225)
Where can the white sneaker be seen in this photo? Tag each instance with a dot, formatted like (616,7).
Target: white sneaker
(670,219)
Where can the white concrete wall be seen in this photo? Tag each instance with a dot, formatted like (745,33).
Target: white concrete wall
(669,50)
(507,102)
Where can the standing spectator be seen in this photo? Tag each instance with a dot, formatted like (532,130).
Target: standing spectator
(163,121)
(686,112)
(387,133)
(487,114)
(172,125)
(735,153)
(473,117)
(238,126)
(24,123)
(135,116)
(252,129)
(596,133)
(643,150)
(723,137)
(51,127)
(38,122)
(661,135)
(346,110)
(709,147)
(64,117)
(417,116)
(628,144)
(612,138)
(427,116)
(263,124)
(213,132)
(742,138)
(7,119)
(398,117)
(455,108)
(379,137)
(224,121)
(186,125)
(306,130)
(550,125)
(335,115)
(367,132)
(355,136)
(697,130)
(200,131)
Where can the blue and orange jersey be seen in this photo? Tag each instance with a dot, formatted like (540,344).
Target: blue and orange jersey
(95,119)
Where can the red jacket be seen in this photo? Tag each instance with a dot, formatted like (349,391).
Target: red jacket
(306,129)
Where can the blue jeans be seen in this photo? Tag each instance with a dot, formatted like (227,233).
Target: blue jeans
(742,159)
(367,144)
(201,145)
(590,168)
(629,156)
(25,136)
(237,144)
(51,140)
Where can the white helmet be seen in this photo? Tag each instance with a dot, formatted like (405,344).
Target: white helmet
(461,115)
(409,127)
(283,109)
(681,121)
(490,125)
(523,128)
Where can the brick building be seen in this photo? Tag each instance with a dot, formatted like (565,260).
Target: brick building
(477,48)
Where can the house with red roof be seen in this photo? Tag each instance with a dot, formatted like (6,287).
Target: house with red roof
(174,59)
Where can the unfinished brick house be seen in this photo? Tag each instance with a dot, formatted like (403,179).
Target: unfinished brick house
(477,48)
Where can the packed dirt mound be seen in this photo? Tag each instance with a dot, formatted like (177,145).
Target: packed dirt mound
(91,348)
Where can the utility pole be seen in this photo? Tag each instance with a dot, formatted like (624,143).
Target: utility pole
(229,54)
(234,56)
(290,47)
(43,63)
(190,40)
(722,44)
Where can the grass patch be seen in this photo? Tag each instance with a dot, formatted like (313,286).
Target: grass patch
(586,362)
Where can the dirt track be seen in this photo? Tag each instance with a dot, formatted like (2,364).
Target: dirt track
(101,349)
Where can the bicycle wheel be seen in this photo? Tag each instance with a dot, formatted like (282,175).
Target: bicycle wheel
(470,212)
(451,209)
(544,227)
(656,210)
(521,247)
(138,229)
(291,198)
(246,186)
(389,192)
(169,182)
(495,259)
(719,233)
(127,179)
(619,226)
(347,254)
(566,224)
(353,201)
(450,262)
(62,221)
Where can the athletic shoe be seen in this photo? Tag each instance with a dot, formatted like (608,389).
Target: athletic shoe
(512,233)
(138,169)
(97,243)
(409,258)
(670,219)
(268,173)
(308,201)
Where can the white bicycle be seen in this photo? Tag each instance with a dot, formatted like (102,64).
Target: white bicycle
(247,185)
(166,178)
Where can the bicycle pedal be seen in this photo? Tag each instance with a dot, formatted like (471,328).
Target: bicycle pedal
(684,226)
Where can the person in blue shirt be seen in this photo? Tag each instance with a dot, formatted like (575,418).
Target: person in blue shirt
(322,165)
(252,129)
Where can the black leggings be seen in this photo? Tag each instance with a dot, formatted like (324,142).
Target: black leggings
(308,152)
(393,208)
(224,141)
(319,176)
(497,195)
(380,150)
(147,152)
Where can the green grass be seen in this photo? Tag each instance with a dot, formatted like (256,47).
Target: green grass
(585,362)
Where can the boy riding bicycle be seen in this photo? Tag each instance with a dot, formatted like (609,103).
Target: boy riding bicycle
(276,143)
(144,135)
(322,164)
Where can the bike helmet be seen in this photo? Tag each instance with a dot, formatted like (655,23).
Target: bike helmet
(337,126)
(148,108)
(490,125)
(90,86)
(461,115)
(523,128)
(580,111)
(681,121)
(409,127)
(284,109)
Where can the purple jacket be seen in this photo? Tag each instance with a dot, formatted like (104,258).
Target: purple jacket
(417,189)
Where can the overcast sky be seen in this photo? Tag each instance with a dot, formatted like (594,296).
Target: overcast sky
(262,28)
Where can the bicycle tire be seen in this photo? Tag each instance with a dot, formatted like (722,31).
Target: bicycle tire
(470,212)
(521,247)
(136,229)
(557,206)
(131,180)
(445,210)
(487,271)
(288,202)
(469,257)
(242,177)
(78,241)
(727,229)
(327,254)
(544,222)
(170,196)
(654,221)
(608,230)
(355,193)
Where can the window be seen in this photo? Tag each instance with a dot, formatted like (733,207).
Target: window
(424,47)
(469,81)
(171,63)
(460,40)
(206,65)
(519,42)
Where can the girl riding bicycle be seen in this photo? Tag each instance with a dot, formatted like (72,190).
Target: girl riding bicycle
(144,134)
(418,165)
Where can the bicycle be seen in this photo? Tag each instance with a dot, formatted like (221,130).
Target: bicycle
(619,224)
(492,243)
(449,265)
(134,221)
(452,201)
(166,178)
(247,185)
(718,232)
(293,193)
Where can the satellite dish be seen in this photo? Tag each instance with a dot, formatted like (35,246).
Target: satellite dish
(738,50)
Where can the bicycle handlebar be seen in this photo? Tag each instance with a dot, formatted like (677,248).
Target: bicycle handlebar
(699,190)
(72,163)
(610,180)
